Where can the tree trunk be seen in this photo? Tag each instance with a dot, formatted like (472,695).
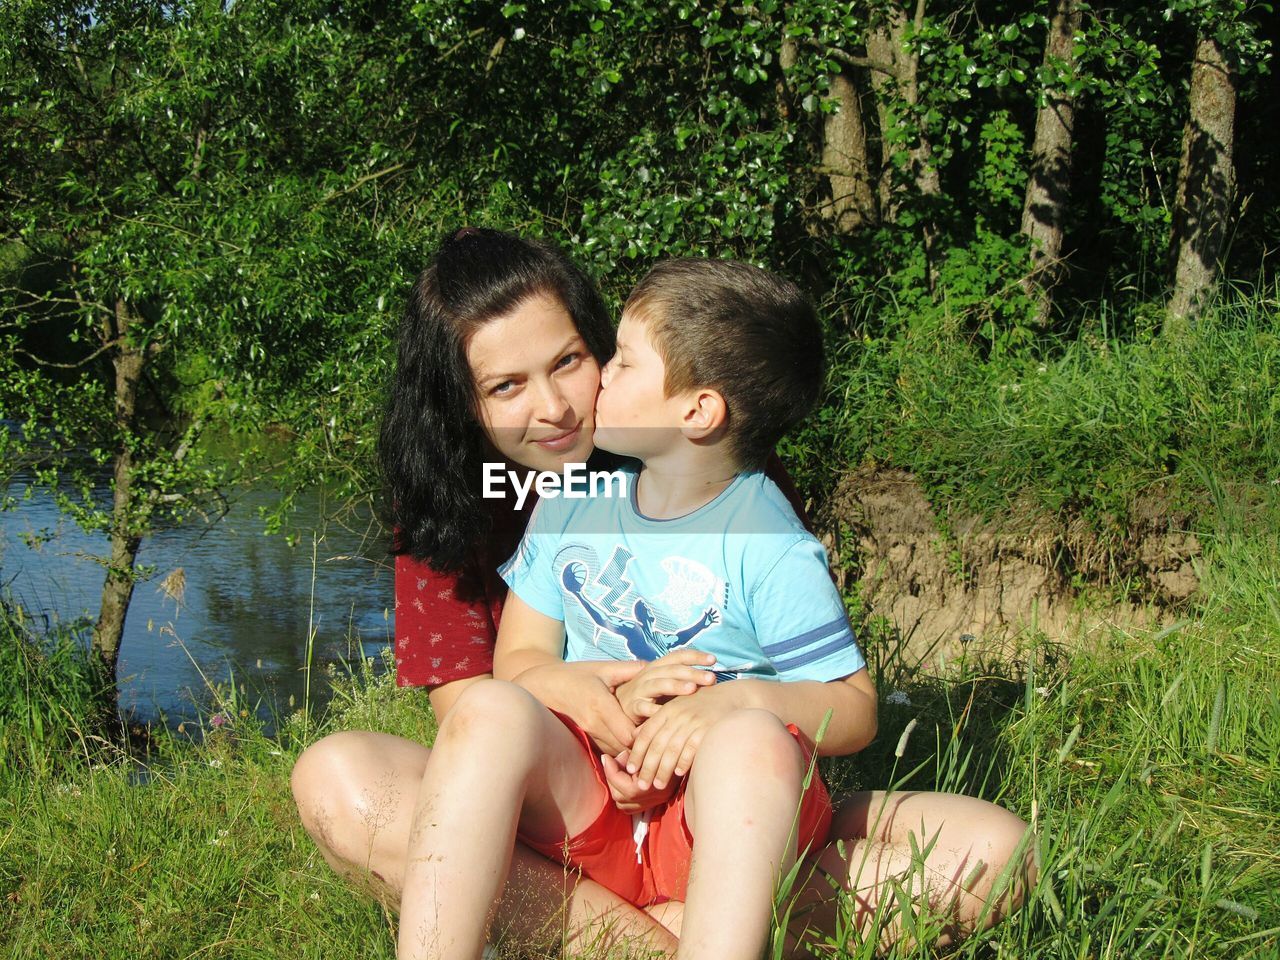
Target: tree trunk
(844,161)
(788,54)
(1049,186)
(894,77)
(117,589)
(1206,183)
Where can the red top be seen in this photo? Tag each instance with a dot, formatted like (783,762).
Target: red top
(447,623)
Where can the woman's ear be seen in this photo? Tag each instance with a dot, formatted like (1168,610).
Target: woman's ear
(705,414)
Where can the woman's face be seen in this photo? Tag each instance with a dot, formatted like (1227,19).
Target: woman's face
(537,384)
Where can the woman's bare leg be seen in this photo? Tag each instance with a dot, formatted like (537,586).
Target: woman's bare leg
(356,792)
(961,847)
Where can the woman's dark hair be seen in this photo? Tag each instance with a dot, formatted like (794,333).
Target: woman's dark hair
(431,445)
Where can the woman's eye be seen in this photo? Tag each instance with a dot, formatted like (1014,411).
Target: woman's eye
(568,360)
(499,389)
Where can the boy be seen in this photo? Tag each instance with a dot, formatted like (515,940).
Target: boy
(715,361)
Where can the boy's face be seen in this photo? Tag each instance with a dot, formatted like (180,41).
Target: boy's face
(634,416)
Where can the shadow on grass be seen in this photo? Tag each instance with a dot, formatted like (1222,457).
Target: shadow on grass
(956,744)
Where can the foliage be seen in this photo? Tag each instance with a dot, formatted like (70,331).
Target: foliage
(252,186)
(1080,427)
(51,695)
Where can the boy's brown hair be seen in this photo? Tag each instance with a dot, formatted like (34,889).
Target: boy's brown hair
(742,331)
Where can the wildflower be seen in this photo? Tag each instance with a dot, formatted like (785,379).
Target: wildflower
(898,698)
(217,720)
(902,740)
(215,762)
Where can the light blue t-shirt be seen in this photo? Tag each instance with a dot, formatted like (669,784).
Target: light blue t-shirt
(740,578)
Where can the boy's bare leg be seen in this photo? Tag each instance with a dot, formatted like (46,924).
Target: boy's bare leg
(742,797)
(356,793)
(501,761)
(964,845)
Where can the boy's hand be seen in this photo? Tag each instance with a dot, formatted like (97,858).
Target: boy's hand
(674,675)
(626,793)
(665,744)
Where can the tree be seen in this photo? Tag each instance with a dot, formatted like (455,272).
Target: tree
(1206,182)
(180,174)
(845,160)
(1049,184)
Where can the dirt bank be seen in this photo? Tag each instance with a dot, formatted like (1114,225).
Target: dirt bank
(985,581)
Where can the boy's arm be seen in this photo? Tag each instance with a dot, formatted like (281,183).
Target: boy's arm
(528,652)
(802,628)
(666,743)
(851,701)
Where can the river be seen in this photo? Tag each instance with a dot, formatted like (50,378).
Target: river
(248,605)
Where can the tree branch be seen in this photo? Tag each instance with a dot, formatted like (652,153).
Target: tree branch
(850,60)
(40,361)
(335,194)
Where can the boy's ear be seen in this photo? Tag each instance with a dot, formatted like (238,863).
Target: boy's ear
(705,414)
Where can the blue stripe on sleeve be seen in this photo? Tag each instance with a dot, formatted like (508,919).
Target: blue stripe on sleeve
(812,636)
(812,656)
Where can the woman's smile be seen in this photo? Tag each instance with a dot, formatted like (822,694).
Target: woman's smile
(560,442)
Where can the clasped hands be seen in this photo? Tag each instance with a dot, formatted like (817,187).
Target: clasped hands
(650,732)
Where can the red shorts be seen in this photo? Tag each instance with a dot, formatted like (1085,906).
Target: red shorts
(606,850)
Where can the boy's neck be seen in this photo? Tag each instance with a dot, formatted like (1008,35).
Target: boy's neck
(675,486)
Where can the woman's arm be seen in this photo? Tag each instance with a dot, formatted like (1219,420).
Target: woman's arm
(528,652)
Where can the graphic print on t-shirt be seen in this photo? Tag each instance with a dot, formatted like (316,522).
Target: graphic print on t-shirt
(627,624)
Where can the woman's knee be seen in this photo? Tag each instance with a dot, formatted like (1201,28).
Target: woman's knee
(326,786)
(1012,845)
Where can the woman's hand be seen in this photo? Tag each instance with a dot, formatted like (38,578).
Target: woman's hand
(584,692)
(675,675)
(626,792)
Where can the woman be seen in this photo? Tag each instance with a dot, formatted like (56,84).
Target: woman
(499,360)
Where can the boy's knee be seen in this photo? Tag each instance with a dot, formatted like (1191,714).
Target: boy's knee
(490,709)
(757,734)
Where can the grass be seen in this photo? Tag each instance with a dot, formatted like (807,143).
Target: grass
(1085,426)
(1149,762)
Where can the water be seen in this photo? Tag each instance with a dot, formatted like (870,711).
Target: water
(247,609)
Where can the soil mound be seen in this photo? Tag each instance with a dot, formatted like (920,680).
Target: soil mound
(986,580)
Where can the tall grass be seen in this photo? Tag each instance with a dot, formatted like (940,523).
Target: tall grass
(52,692)
(1086,425)
(1147,762)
